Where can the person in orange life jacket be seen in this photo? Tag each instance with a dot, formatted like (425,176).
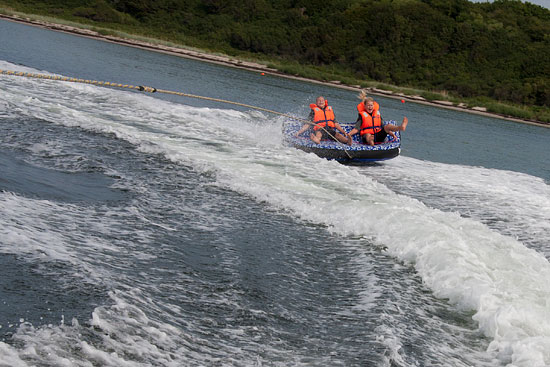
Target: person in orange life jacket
(371,125)
(324,124)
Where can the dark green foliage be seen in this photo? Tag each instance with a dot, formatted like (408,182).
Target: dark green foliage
(499,50)
(100,11)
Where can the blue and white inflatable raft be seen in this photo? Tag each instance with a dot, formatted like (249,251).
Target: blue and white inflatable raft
(358,152)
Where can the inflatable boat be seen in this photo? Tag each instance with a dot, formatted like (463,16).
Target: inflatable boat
(358,152)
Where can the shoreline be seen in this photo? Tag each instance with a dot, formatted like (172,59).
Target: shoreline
(253,66)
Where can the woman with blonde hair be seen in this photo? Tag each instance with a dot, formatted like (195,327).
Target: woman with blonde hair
(362,106)
(370,125)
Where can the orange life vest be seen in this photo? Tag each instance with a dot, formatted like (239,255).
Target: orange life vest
(322,117)
(371,123)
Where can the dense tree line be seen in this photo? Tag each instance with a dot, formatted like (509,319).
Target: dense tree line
(500,49)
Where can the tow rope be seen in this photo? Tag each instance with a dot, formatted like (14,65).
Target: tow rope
(140,88)
(143,88)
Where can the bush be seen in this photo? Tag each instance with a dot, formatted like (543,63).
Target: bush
(100,11)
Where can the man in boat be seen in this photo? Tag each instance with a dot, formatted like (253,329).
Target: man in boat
(324,124)
(371,126)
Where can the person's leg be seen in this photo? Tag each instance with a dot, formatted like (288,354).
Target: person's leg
(316,136)
(343,139)
(404,124)
(368,139)
(391,128)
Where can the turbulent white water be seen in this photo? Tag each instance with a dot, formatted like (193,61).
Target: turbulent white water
(477,237)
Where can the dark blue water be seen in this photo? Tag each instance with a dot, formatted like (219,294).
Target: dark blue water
(156,230)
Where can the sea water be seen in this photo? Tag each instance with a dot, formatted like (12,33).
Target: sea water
(151,230)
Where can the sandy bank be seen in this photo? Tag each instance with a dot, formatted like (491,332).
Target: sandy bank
(252,66)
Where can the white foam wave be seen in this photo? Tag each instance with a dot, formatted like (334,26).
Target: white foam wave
(45,231)
(514,204)
(128,337)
